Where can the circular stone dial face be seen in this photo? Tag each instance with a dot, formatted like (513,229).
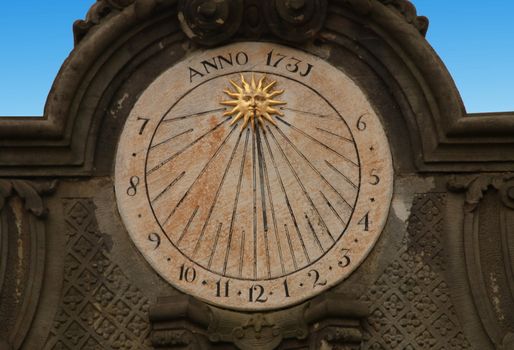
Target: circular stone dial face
(254,176)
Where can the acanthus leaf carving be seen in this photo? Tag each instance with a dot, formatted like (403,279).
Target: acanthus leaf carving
(30,191)
(475,187)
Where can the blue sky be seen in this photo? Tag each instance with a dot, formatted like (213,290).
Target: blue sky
(474,38)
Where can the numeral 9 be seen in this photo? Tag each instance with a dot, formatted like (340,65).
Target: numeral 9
(155,238)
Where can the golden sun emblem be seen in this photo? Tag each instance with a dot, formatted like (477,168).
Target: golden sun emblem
(253,102)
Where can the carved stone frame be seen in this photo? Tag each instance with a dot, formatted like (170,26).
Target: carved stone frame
(486,212)
(22,255)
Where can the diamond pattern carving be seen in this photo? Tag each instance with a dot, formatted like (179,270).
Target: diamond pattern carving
(412,309)
(90,314)
(443,325)
(60,346)
(99,310)
(74,333)
(82,247)
(394,305)
(87,281)
(459,342)
(411,301)
(393,337)
(92,344)
(410,323)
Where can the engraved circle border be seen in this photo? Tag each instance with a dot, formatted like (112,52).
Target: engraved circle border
(282,76)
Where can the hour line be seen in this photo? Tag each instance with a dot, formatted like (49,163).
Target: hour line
(198,177)
(215,245)
(261,178)
(343,175)
(273,216)
(172,138)
(314,114)
(332,208)
(336,135)
(318,142)
(172,183)
(254,191)
(242,253)
(236,200)
(300,183)
(192,115)
(314,168)
(215,200)
(289,207)
(291,247)
(314,232)
(169,159)
(187,225)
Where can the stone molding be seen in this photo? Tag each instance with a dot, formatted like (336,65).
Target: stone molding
(65,141)
(486,247)
(103,8)
(22,256)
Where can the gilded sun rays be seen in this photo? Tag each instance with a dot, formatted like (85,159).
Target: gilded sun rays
(253,102)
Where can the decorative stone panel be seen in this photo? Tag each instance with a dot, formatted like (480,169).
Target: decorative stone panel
(411,307)
(100,308)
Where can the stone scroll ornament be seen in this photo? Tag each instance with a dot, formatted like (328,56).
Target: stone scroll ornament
(254,176)
(215,22)
(212,22)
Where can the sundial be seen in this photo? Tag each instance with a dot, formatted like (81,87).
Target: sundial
(254,176)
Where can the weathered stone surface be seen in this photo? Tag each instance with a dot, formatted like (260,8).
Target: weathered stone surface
(435,266)
(254,176)
(100,308)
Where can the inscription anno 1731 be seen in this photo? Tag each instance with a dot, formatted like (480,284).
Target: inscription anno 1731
(273,58)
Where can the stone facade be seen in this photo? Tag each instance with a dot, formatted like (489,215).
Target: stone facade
(440,276)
